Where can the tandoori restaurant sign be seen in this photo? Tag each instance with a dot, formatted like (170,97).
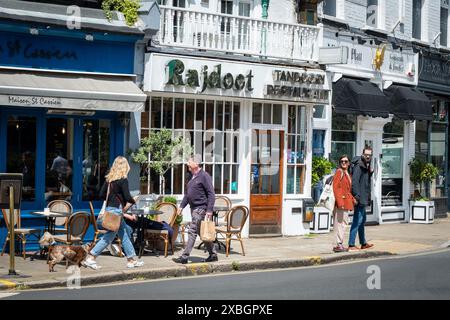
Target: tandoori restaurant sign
(170,73)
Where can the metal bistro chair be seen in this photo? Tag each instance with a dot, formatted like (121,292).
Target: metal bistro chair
(99,232)
(19,232)
(169,216)
(236,219)
(76,228)
(61,206)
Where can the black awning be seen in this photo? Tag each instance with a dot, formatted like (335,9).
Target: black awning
(359,97)
(409,103)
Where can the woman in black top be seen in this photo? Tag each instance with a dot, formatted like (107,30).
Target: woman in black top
(118,202)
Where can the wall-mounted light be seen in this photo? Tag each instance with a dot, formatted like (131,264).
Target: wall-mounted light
(395,46)
(63,130)
(89,37)
(361,40)
(377,42)
(336,34)
(124,119)
(34,31)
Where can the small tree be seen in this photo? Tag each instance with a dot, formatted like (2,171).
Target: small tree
(160,152)
(320,168)
(421,172)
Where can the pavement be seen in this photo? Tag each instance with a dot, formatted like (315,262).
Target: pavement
(260,253)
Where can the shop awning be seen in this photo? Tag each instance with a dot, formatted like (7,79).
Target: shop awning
(409,103)
(359,97)
(67,90)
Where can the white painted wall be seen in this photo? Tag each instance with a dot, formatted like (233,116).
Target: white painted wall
(282,11)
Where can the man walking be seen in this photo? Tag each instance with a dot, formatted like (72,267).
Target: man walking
(361,191)
(200,196)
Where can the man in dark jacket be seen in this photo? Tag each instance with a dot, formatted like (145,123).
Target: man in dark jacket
(200,196)
(361,191)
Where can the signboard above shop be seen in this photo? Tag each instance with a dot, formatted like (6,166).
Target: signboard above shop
(399,66)
(178,74)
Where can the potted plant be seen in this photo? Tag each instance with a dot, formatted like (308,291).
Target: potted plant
(421,208)
(321,221)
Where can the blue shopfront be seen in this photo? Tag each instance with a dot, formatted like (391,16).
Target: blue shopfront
(65,101)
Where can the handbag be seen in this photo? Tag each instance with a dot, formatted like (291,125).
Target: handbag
(208,231)
(110,220)
(327,198)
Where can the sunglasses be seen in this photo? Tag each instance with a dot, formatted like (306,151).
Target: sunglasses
(344,161)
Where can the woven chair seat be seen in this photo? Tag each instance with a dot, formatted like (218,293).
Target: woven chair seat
(26,230)
(151,231)
(224,229)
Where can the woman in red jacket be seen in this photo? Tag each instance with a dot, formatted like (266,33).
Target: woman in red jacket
(342,188)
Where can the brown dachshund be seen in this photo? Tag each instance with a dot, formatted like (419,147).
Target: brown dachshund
(57,253)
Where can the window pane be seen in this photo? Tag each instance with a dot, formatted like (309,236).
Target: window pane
(228,106)
(267,113)
(219,115)
(178,179)
(277,114)
(156,113)
(59,159)
(179,113)
(21,152)
(209,146)
(218,148)
(290,179)
(96,144)
(257,113)
(329,7)
(300,179)
(190,113)
(234,179)
(145,116)
(227,151)
(275,179)
(217,179)
(235,148)
(372,13)
(209,115)
(291,119)
(198,142)
(226,179)
(417,19)
(421,147)
(236,110)
(444,26)
(200,115)
(167,113)
(168,182)
(265,179)
(301,120)
(209,169)
(319,112)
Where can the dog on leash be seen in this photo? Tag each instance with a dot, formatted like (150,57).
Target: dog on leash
(57,253)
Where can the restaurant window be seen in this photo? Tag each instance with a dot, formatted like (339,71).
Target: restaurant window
(296,150)
(329,7)
(438,143)
(59,159)
(372,13)
(211,126)
(392,163)
(95,163)
(343,136)
(319,112)
(21,152)
(444,23)
(267,113)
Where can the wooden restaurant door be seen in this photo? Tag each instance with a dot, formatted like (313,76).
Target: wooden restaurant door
(266,181)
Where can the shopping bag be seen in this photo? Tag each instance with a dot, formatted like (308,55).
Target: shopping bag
(207,231)
(327,198)
(111,221)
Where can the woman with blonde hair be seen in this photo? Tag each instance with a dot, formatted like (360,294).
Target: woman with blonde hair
(118,202)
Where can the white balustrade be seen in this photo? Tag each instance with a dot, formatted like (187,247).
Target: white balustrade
(226,33)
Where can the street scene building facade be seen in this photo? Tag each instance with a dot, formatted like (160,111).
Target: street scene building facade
(258,87)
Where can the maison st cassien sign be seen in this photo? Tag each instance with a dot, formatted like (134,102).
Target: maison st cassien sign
(168,73)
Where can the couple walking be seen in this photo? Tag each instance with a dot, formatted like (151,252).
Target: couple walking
(352,193)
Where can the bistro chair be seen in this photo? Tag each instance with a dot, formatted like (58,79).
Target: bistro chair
(99,232)
(236,218)
(77,226)
(19,232)
(169,216)
(61,206)
(184,228)
(222,201)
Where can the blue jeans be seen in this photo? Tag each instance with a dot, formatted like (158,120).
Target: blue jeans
(108,238)
(359,219)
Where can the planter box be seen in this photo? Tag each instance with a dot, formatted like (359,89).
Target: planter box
(421,211)
(321,222)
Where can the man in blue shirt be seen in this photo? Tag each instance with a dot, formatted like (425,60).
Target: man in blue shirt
(200,196)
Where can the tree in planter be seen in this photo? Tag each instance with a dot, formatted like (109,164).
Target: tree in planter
(129,8)
(160,152)
(421,172)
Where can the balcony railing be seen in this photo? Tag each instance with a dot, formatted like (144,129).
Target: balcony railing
(242,35)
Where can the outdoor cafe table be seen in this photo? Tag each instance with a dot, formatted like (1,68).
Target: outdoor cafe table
(140,213)
(51,218)
(216,211)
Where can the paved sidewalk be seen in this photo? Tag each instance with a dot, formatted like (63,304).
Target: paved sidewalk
(261,253)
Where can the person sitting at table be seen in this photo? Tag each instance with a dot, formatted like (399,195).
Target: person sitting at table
(149,224)
(118,202)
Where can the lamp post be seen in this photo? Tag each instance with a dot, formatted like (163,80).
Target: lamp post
(12,236)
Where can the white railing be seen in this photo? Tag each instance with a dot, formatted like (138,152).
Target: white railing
(226,33)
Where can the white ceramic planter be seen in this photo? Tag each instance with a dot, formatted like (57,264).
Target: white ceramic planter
(421,211)
(322,220)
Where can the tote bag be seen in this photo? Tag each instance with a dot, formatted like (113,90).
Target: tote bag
(207,231)
(327,198)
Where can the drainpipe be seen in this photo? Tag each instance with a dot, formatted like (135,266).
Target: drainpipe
(265,14)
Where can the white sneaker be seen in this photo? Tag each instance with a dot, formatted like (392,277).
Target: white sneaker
(91,263)
(114,249)
(135,264)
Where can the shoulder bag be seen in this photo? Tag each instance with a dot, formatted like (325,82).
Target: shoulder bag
(327,198)
(110,220)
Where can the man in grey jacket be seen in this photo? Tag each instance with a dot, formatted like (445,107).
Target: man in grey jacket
(200,196)
(361,191)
